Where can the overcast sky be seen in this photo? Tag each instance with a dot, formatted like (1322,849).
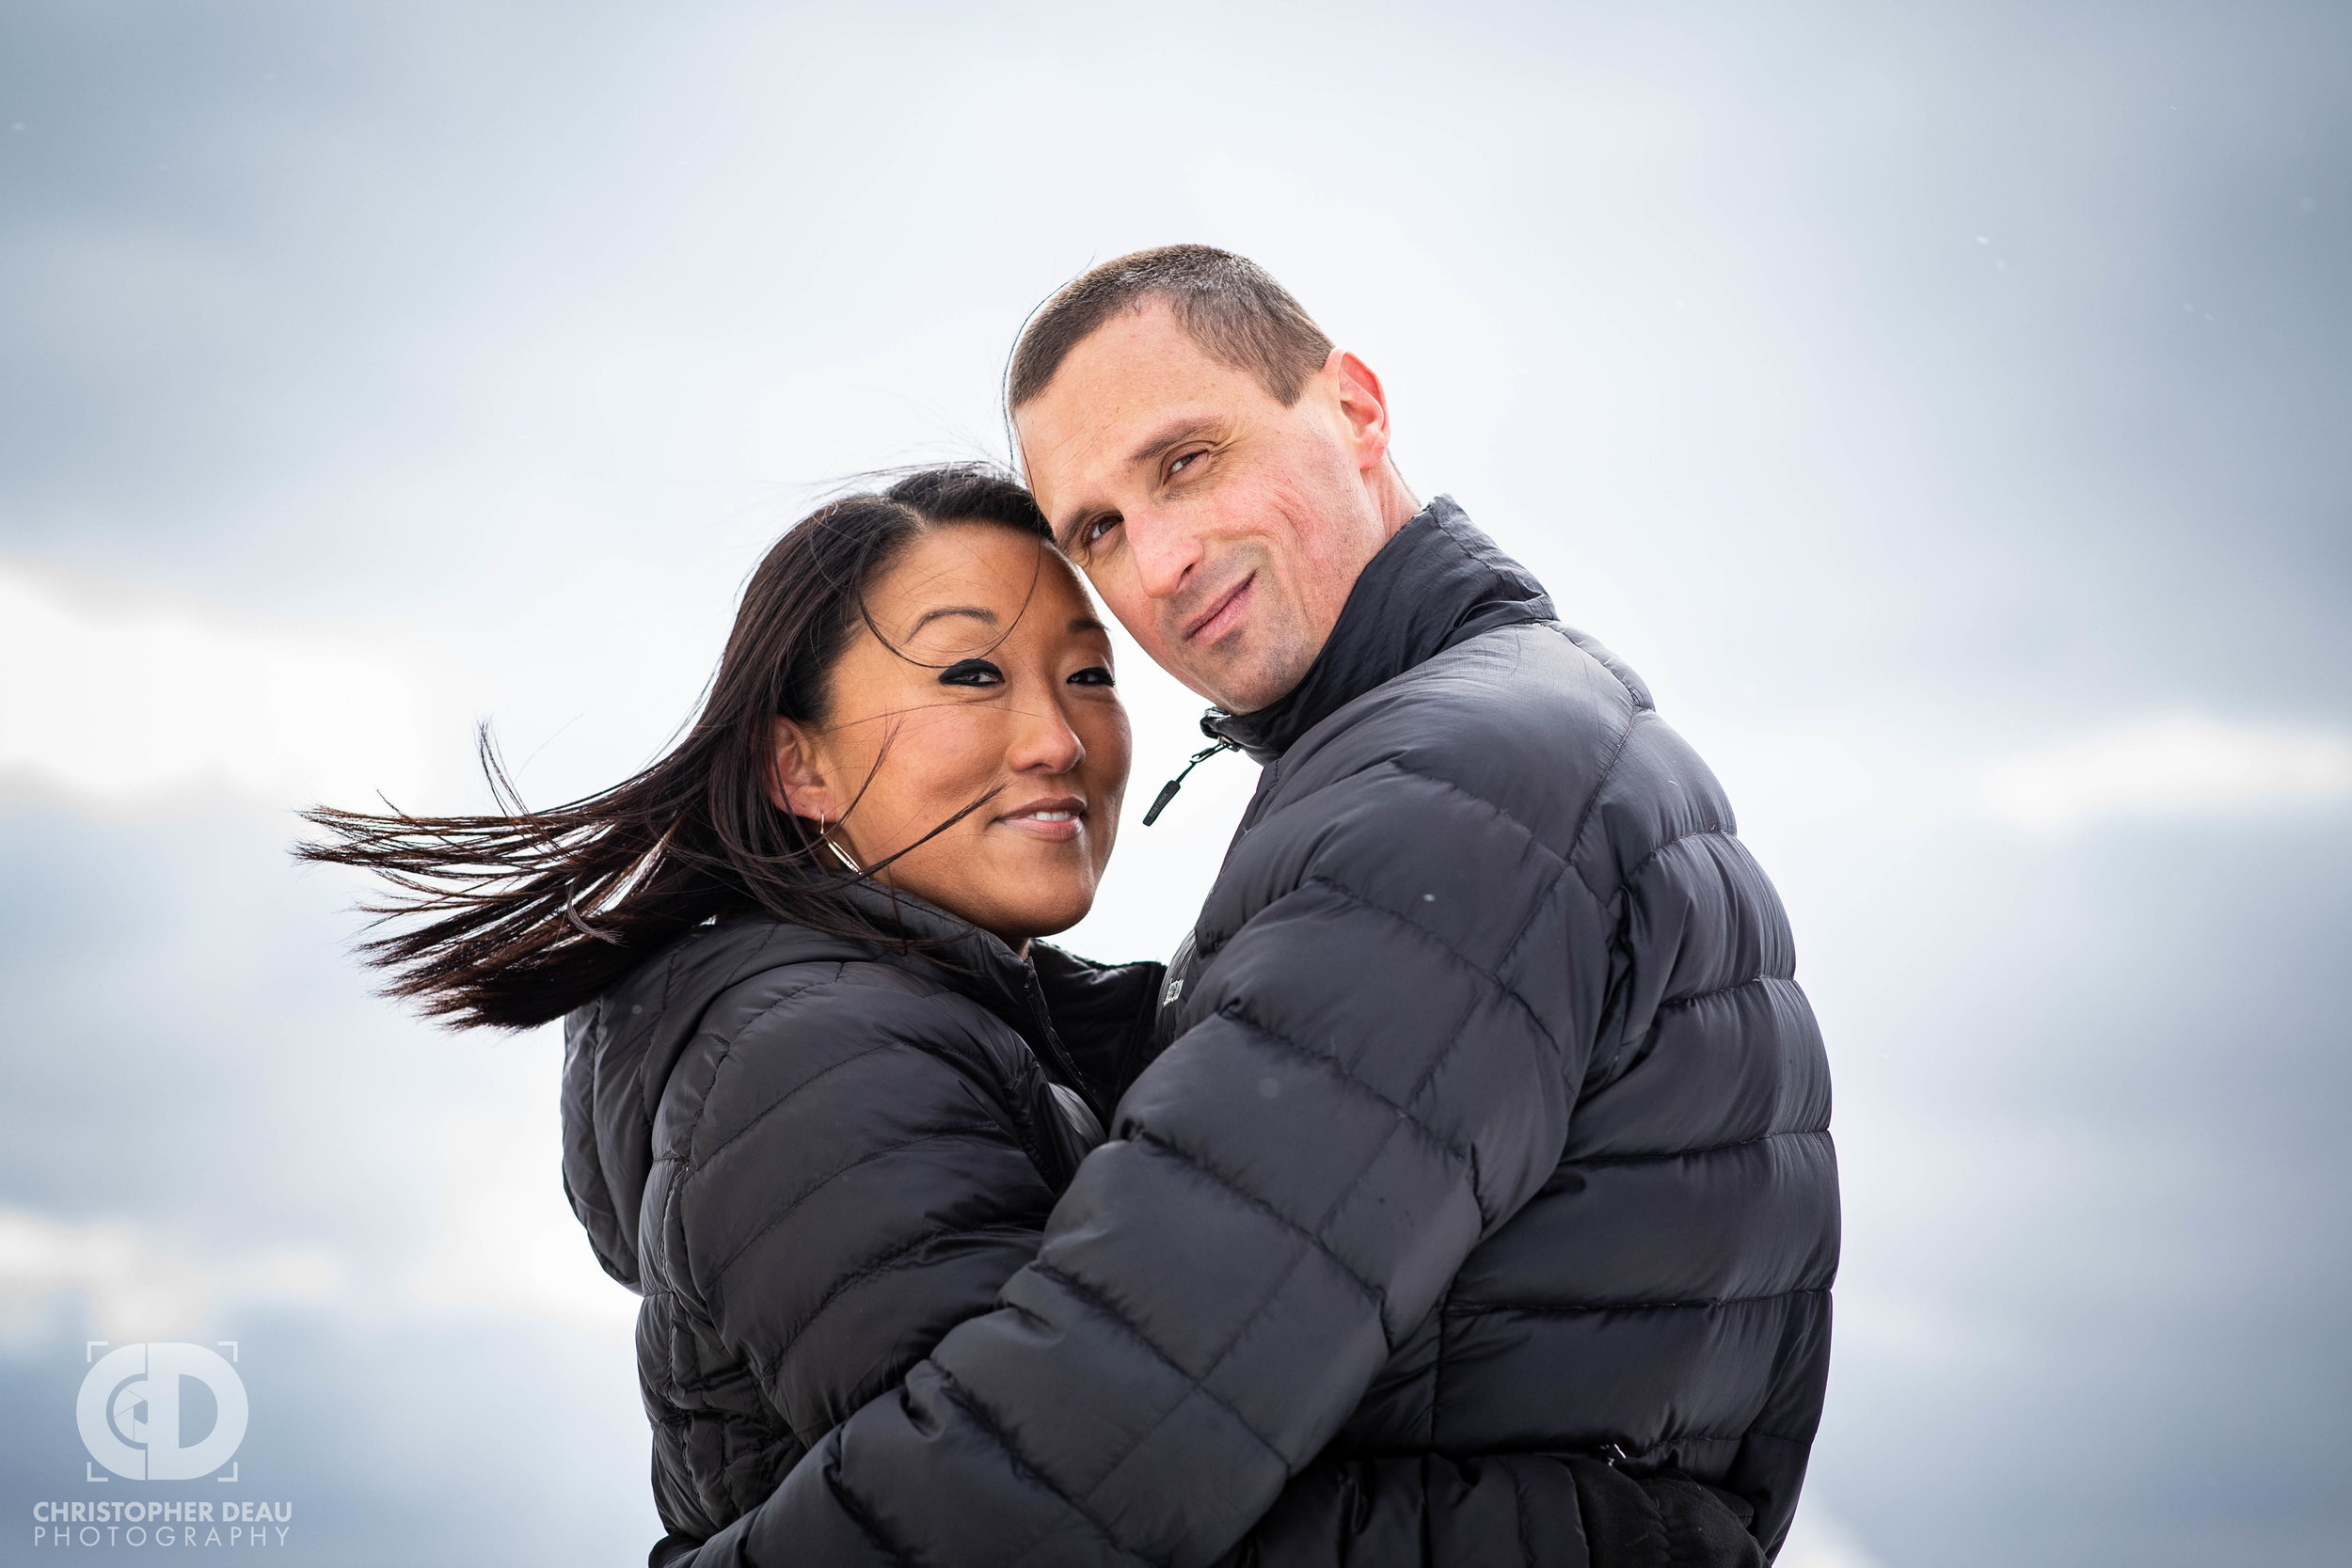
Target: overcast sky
(1947,407)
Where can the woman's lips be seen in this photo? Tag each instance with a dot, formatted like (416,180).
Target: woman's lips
(1055,821)
(1226,616)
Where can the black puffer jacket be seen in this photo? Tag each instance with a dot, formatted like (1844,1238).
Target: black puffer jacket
(1651,1276)
(1484,1172)
(813,1159)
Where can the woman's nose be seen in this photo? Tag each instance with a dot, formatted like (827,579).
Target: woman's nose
(1045,742)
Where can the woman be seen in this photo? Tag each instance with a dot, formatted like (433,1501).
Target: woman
(822,1085)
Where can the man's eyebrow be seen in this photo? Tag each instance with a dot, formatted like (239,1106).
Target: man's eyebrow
(930,615)
(1183,428)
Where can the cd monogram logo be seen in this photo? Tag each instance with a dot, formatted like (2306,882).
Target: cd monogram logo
(130,1412)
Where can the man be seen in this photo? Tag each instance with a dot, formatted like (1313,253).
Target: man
(1479,1207)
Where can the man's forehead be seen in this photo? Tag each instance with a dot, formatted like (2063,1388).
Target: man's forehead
(1145,339)
(1117,397)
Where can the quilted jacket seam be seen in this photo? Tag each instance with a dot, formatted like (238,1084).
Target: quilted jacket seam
(1569,635)
(1600,787)
(1518,1513)
(1453,1043)
(934,1135)
(1445,1055)
(1023,1464)
(1719,829)
(1240,1332)
(1776,1436)
(718,1063)
(863,1516)
(881,1263)
(1102,1304)
(1706,1303)
(1566,858)
(1455,786)
(1463,959)
(1510,953)
(1241,1015)
(649,1095)
(1372,1293)
(1698,996)
(1657,1155)
(1248,1319)
(887,1042)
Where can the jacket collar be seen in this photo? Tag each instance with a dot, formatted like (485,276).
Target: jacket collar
(965,957)
(1037,996)
(1439,582)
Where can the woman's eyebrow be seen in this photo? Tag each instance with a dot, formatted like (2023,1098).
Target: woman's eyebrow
(973,610)
(1088,622)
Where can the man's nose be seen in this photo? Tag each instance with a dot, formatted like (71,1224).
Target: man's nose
(1165,548)
(1043,743)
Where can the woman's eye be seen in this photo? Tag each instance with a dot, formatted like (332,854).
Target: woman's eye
(972,671)
(1098,675)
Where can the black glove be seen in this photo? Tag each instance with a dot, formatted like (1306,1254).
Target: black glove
(1663,1520)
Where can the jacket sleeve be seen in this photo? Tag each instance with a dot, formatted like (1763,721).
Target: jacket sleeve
(851,1184)
(1365,1089)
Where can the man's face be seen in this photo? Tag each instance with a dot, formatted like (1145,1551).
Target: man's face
(1223,529)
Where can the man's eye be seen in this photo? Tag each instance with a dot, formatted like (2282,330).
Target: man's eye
(972,671)
(1098,675)
(1181,464)
(1091,533)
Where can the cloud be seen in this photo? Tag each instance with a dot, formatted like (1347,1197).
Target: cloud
(1802,785)
(504,1241)
(2170,766)
(116,704)
(136,1286)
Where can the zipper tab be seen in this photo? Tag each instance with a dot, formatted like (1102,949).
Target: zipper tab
(1168,790)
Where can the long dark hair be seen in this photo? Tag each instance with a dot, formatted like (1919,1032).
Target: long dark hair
(526,915)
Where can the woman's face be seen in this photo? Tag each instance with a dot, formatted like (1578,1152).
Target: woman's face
(993,673)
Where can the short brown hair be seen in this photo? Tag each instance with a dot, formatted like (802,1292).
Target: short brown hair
(1227,304)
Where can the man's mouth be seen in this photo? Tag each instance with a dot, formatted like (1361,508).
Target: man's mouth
(1057,820)
(1224,615)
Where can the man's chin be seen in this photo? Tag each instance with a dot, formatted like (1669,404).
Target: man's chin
(1246,669)
(1244,684)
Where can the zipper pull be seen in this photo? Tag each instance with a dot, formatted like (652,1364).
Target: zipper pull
(1168,790)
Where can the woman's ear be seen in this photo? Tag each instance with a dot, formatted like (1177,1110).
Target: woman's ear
(796,784)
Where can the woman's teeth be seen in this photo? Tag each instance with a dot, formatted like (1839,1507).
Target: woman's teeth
(1049,815)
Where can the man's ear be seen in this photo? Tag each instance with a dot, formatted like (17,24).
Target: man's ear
(1363,406)
(796,784)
